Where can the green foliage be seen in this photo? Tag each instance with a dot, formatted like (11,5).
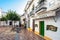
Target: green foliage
(12,15)
(3,19)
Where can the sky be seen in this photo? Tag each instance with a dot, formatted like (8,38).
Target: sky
(16,5)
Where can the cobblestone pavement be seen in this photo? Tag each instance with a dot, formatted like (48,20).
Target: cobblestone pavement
(28,35)
(6,34)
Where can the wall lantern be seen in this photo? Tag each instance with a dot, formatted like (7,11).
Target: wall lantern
(57,14)
(55,18)
(36,25)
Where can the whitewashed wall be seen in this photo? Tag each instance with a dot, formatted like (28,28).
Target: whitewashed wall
(52,4)
(31,20)
(17,23)
(50,21)
(37,22)
(22,17)
(31,23)
(3,23)
(37,28)
(51,34)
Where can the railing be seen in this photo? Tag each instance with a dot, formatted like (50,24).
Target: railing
(32,13)
(40,6)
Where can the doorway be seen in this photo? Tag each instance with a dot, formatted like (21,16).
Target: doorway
(10,23)
(41,28)
(33,25)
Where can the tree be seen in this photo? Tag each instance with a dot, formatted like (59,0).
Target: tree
(13,16)
(3,19)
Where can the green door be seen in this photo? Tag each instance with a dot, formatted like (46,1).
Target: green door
(41,25)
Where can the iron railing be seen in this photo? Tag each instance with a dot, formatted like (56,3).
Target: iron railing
(32,13)
(40,6)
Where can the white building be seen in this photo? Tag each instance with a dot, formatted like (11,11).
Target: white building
(23,19)
(44,18)
(6,23)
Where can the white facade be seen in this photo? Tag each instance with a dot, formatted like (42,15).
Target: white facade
(50,21)
(23,19)
(51,34)
(48,16)
(28,10)
(7,23)
(52,4)
(31,23)
(4,23)
(2,13)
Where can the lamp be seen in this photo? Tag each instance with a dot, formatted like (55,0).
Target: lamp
(55,18)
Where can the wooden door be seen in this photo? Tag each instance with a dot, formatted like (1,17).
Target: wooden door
(41,27)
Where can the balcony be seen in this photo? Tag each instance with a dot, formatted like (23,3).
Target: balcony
(32,13)
(40,6)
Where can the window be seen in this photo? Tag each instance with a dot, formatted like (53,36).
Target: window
(33,7)
(40,1)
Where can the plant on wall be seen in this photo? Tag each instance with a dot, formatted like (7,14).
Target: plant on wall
(36,25)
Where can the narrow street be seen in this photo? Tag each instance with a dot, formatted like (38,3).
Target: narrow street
(24,34)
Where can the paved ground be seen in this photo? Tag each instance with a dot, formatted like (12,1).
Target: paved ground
(28,35)
(6,34)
